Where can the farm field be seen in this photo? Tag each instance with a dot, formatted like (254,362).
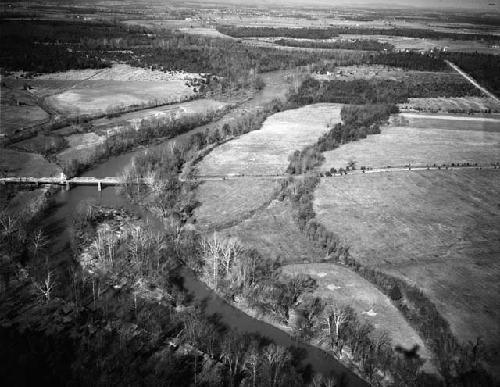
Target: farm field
(81,147)
(266,151)
(435,229)
(403,43)
(118,72)
(14,163)
(225,202)
(160,114)
(259,153)
(452,105)
(427,140)
(16,118)
(344,287)
(273,232)
(94,97)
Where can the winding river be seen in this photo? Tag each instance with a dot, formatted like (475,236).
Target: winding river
(57,225)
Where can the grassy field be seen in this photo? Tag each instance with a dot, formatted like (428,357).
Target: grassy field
(228,201)
(81,147)
(274,233)
(438,230)
(402,43)
(341,285)
(427,140)
(266,151)
(119,72)
(464,105)
(14,163)
(159,114)
(94,97)
(16,118)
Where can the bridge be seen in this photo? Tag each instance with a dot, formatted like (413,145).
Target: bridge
(62,180)
(101,182)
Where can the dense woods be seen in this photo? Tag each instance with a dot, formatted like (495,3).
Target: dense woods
(277,32)
(356,44)
(410,61)
(329,32)
(482,67)
(377,91)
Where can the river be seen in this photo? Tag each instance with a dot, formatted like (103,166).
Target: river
(57,223)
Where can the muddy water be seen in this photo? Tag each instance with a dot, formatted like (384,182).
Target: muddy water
(57,226)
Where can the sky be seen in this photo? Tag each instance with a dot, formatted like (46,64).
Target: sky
(483,5)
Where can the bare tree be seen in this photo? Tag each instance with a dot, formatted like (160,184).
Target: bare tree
(46,286)
(334,317)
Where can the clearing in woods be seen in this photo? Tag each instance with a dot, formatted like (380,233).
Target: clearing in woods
(77,92)
(427,140)
(437,230)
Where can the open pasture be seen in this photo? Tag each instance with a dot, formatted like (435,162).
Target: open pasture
(16,118)
(452,105)
(226,202)
(340,285)
(438,230)
(162,114)
(118,72)
(81,147)
(274,233)
(426,142)
(97,97)
(14,163)
(266,151)
(407,43)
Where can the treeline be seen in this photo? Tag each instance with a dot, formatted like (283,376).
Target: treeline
(358,122)
(69,31)
(379,91)
(27,56)
(356,44)
(410,61)
(330,32)
(132,136)
(459,365)
(484,68)
(277,32)
(162,165)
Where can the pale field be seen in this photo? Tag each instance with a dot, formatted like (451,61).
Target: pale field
(266,151)
(16,118)
(464,104)
(95,97)
(402,43)
(225,202)
(443,141)
(118,72)
(274,233)
(341,286)
(14,163)
(355,72)
(81,147)
(160,114)
(438,230)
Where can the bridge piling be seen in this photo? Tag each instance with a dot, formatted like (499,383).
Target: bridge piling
(68,187)
(99,188)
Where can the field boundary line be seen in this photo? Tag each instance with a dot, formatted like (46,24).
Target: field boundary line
(471,80)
